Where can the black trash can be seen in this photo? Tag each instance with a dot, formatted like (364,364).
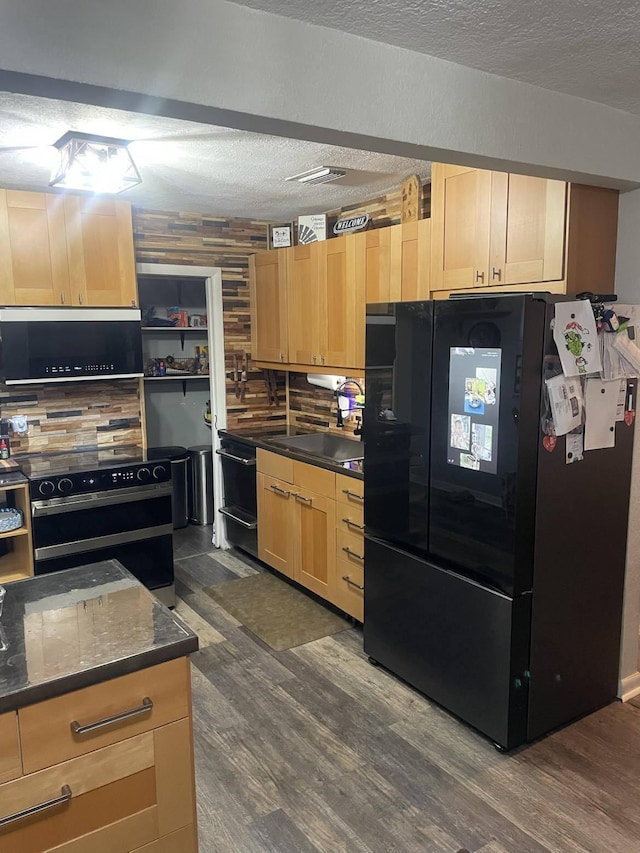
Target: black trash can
(179,459)
(201,484)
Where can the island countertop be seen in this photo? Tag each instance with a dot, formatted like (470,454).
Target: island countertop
(70,629)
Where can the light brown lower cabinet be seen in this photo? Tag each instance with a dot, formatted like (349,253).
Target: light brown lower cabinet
(301,528)
(116,788)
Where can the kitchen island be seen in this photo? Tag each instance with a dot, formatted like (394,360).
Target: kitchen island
(95,717)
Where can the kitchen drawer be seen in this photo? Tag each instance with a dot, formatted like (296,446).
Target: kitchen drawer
(354,542)
(348,596)
(316,479)
(349,490)
(101,788)
(349,516)
(10,763)
(122,836)
(184,841)
(280,467)
(45,728)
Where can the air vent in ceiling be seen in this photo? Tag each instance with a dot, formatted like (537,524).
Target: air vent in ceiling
(320,175)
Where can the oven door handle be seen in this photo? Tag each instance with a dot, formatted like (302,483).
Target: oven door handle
(81,546)
(241,459)
(60,506)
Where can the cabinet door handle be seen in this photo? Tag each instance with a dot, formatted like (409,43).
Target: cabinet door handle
(496,273)
(314,358)
(301,498)
(80,299)
(145,708)
(351,553)
(65,796)
(352,495)
(350,523)
(62,298)
(279,490)
(348,580)
(281,358)
(322,359)
(479,276)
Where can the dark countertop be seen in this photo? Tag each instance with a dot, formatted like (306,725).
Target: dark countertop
(70,629)
(260,437)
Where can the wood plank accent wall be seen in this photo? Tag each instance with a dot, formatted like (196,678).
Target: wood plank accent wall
(315,408)
(196,239)
(384,210)
(78,416)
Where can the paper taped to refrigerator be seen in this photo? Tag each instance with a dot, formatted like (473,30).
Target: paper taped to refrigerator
(565,398)
(576,337)
(601,403)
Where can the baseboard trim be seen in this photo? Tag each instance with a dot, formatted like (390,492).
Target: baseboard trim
(630,687)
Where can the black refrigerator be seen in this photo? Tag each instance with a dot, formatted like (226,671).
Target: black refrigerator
(494,570)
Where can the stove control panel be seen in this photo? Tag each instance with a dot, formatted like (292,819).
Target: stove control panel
(100,480)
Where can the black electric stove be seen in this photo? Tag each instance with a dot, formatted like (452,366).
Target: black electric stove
(103,505)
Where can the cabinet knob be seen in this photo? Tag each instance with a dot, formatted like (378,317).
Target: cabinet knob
(479,276)
(496,273)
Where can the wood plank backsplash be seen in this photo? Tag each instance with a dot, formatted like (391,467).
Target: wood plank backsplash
(70,416)
(315,408)
(196,239)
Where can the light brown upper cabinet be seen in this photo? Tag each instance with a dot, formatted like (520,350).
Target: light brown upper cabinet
(268,285)
(341,308)
(325,305)
(410,253)
(60,249)
(34,267)
(100,245)
(394,263)
(527,229)
(303,303)
(493,229)
(323,288)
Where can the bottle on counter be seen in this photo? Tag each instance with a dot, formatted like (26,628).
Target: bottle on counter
(4,449)
(162,369)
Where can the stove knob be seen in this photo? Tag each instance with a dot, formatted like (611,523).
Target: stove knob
(46,488)
(65,485)
(143,474)
(159,472)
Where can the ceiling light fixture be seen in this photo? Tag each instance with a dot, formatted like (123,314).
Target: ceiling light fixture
(94,163)
(320,175)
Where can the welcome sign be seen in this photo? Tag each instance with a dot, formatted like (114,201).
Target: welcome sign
(351,223)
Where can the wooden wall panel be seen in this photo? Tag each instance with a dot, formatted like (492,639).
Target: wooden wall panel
(195,239)
(76,416)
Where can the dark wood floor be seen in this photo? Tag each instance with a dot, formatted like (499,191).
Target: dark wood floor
(313,749)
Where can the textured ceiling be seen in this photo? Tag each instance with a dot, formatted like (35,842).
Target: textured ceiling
(195,167)
(587,48)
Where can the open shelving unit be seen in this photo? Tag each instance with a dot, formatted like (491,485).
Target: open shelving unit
(16,546)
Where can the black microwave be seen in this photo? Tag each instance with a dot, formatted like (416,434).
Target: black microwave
(63,344)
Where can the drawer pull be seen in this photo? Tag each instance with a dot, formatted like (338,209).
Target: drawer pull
(352,495)
(279,490)
(350,523)
(351,553)
(348,580)
(65,796)
(145,708)
(301,498)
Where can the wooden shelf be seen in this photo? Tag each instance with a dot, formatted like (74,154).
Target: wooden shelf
(19,531)
(7,577)
(186,376)
(175,328)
